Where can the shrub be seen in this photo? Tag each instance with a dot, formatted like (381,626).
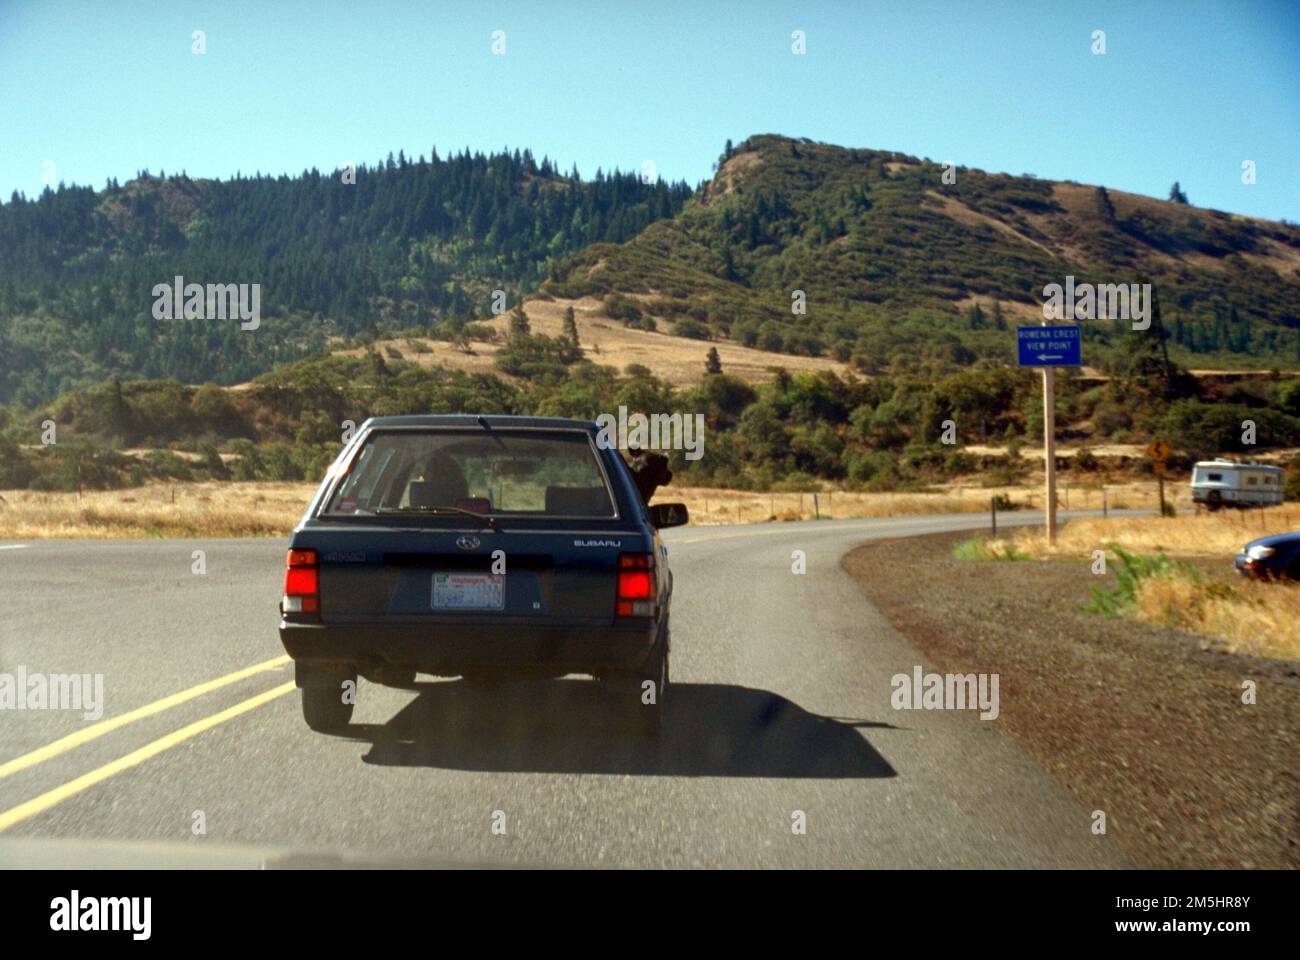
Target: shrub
(1131,570)
(622,308)
(978,548)
(691,328)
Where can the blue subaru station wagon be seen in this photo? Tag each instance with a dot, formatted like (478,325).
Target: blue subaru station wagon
(478,547)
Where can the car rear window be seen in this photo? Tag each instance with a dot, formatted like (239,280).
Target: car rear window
(427,472)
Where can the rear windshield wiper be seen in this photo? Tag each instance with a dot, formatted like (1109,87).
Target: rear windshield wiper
(484,519)
(487,428)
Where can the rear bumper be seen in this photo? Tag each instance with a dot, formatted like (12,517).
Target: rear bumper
(453,649)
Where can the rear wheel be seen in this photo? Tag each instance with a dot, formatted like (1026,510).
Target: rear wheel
(639,694)
(328,699)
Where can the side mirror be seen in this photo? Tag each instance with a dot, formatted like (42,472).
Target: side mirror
(664,515)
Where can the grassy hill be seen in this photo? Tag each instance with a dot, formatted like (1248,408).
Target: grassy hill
(377,304)
(899,267)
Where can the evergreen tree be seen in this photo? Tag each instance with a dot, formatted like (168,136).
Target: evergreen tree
(116,415)
(519,326)
(571,325)
(1176,194)
(712,362)
(1105,209)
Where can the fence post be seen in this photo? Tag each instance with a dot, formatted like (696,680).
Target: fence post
(993,510)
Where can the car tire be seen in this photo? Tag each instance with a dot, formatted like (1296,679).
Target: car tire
(629,691)
(323,706)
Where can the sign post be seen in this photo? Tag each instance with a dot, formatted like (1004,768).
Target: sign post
(1049,450)
(1159,451)
(1048,347)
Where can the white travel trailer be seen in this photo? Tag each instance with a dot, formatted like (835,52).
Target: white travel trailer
(1227,483)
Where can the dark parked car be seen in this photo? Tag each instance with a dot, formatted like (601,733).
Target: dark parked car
(1271,557)
(479,547)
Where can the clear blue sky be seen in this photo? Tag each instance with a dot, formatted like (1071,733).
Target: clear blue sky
(1186,90)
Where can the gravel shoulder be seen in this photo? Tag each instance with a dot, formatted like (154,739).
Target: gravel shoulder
(1134,720)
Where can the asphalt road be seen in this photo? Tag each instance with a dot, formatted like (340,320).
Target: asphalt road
(779,712)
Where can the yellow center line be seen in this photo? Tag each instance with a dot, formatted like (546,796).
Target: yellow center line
(94,731)
(56,796)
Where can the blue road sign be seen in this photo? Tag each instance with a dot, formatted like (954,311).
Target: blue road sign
(1056,346)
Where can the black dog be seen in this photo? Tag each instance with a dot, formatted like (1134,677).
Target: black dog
(649,472)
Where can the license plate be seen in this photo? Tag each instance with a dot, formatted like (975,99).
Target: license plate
(468,591)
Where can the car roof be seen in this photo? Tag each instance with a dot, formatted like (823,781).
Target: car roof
(1236,465)
(1276,539)
(472,420)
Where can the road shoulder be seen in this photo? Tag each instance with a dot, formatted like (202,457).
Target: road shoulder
(1134,720)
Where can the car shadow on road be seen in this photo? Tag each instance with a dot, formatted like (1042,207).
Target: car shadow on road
(569,726)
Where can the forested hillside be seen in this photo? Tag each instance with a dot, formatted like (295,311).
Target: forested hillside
(895,262)
(410,243)
(900,265)
(912,283)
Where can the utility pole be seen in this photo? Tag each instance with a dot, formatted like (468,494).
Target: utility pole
(1049,448)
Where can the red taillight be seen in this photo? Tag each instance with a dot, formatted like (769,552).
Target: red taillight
(636,587)
(301,582)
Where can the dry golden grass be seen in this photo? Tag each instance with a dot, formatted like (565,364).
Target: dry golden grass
(272,509)
(677,360)
(157,510)
(712,506)
(1258,619)
(1188,534)
(1114,492)
(986,548)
